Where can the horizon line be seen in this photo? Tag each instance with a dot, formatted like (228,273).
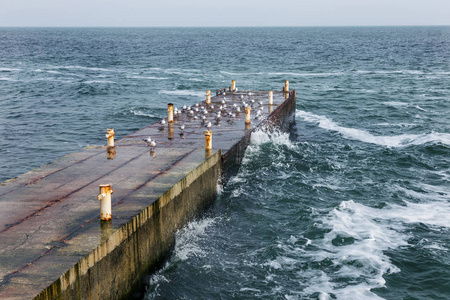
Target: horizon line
(225,26)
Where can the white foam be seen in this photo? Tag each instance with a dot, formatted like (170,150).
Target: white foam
(138,112)
(6,79)
(309,74)
(239,74)
(183,93)
(364,136)
(98,81)
(395,103)
(391,72)
(276,137)
(84,68)
(187,239)
(373,232)
(148,77)
(9,69)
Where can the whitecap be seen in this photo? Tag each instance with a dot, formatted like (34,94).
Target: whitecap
(276,137)
(309,74)
(364,136)
(395,103)
(369,233)
(148,77)
(138,112)
(98,81)
(84,68)
(183,93)
(9,69)
(187,240)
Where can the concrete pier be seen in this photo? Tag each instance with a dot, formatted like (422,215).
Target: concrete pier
(53,244)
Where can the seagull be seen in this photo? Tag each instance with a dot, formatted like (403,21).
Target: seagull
(196,104)
(153,144)
(163,121)
(238,109)
(223,101)
(148,141)
(182,127)
(242,97)
(208,125)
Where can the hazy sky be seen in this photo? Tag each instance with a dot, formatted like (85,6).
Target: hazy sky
(223,13)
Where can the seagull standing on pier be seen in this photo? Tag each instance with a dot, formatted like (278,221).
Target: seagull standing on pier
(182,127)
(148,141)
(153,145)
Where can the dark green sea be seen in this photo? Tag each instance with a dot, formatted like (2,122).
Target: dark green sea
(352,203)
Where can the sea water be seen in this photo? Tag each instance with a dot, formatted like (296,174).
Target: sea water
(352,203)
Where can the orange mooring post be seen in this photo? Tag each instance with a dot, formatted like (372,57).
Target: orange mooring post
(105,201)
(110,136)
(170,125)
(233,85)
(170,113)
(247,115)
(208,139)
(208,97)
(270,97)
(286,89)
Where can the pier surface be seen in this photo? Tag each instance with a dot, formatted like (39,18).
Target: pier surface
(52,242)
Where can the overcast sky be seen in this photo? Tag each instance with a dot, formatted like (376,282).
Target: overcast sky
(223,13)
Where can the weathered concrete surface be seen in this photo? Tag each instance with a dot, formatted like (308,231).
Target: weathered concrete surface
(52,242)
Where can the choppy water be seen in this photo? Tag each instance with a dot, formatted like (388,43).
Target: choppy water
(353,203)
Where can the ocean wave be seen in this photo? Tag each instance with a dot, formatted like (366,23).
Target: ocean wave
(395,103)
(98,81)
(402,140)
(148,77)
(138,112)
(308,74)
(276,137)
(187,240)
(358,237)
(388,72)
(183,93)
(7,79)
(84,68)
(9,69)
(239,74)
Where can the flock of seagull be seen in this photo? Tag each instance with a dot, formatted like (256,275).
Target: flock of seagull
(224,108)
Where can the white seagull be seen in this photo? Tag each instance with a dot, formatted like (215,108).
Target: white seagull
(148,141)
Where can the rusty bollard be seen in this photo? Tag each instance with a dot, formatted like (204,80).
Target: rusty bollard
(208,139)
(286,89)
(170,113)
(233,85)
(208,97)
(105,201)
(110,136)
(247,115)
(270,97)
